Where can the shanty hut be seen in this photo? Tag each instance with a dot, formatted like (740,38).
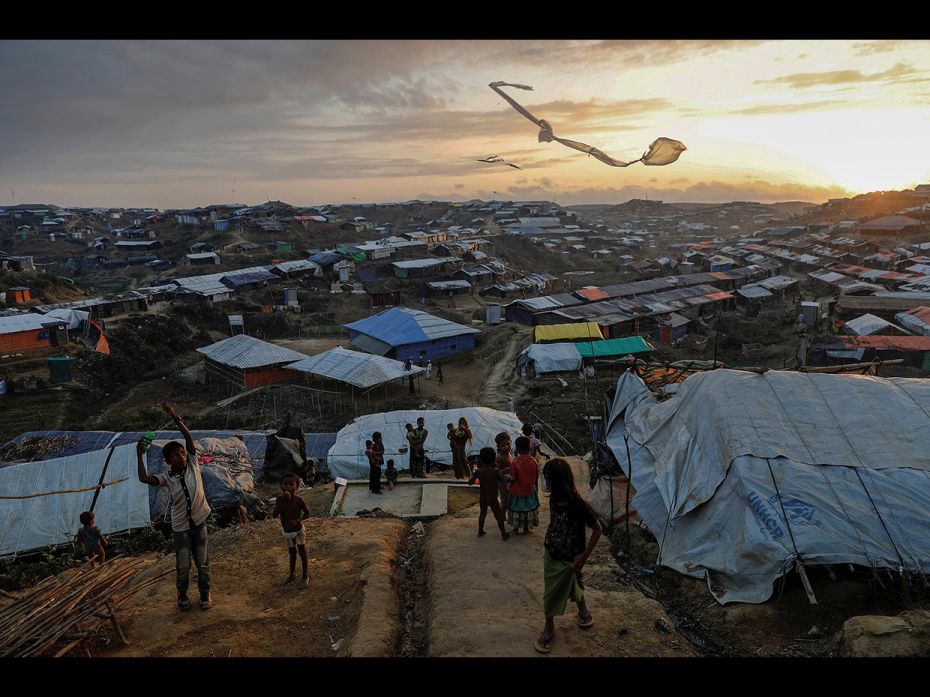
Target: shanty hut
(916,320)
(363,371)
(402,333)
(29,332)
(242,362)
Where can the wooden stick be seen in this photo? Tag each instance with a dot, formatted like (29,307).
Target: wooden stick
(66,491)
(851,366)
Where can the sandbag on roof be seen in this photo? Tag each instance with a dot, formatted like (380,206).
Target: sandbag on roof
(568,332)
(347,456)
(740,475)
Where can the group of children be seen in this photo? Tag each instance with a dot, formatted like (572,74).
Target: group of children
(510,485)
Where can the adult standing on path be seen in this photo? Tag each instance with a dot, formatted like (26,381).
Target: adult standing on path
(439,372)
(418,449)
(565,550)
(189,510)
(377,460)
(429,370)
(460,437)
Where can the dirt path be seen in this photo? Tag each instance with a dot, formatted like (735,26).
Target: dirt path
(486,596)
(494,389)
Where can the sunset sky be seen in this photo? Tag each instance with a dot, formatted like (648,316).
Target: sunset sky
(173,124)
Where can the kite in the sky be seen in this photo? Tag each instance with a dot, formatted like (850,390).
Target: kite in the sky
(497,160)
(663,151)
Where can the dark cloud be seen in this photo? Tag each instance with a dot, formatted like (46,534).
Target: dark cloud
(841,77)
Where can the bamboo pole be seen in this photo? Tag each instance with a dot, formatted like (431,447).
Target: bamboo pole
(66,491)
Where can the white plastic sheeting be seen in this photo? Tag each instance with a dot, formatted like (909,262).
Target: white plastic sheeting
(73,318)
(554,358)
(347,456)
(740,475)
(33,523)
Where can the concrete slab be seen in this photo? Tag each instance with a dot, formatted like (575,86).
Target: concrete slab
(411,498)
(434,500)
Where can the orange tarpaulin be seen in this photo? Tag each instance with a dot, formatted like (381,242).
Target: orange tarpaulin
(103,346)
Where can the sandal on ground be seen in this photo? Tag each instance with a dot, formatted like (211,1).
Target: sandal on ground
(586,621)
(543,643)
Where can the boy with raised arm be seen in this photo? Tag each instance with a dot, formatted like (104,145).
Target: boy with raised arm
(189,510)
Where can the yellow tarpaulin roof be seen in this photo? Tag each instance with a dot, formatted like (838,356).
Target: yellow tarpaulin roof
(568,332)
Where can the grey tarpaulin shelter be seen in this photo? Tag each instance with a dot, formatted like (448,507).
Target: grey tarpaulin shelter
(740,476)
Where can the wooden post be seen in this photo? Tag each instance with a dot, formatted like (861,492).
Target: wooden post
(799,567)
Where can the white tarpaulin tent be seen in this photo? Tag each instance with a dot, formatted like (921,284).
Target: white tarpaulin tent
(347,456)
(554,358)
(33,523)
(740,476)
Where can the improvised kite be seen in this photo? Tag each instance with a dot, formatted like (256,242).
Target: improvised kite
(497,160)
(662,151)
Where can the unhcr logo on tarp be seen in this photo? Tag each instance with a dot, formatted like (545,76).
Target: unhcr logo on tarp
(769,520)
(798,512)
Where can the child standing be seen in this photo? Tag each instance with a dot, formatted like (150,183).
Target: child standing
(391,475)
(504,458)
(488,476)
(523,502)
(565,550)
(293,512)
(91,539)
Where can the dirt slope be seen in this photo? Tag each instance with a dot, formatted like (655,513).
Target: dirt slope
(350,604)
(486,597)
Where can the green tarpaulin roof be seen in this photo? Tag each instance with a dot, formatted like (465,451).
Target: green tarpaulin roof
(612,347)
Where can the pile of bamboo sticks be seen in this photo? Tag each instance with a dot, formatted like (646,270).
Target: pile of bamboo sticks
(62,611)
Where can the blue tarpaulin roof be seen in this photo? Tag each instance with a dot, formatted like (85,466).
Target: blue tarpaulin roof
(78,442)
(326,258)
(399,326)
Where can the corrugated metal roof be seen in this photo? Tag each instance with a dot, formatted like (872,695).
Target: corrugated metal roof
(448,285)
(916,321)
(400,325)
(370,344)
(355,368)
(242,351)
(424,263)
(753,290)
(21,323)
(778,282)
(299,265)
(866,325)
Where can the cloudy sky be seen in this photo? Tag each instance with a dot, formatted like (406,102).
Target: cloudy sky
(186,123)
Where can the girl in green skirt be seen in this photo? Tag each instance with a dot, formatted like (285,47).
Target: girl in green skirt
(566,551)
